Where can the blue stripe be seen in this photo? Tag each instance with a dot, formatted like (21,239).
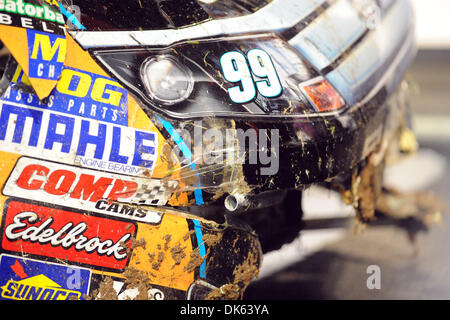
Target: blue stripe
(201,247)
(71,17)
(188,154)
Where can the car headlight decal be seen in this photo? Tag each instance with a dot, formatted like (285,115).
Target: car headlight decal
(236,77)
(166,80)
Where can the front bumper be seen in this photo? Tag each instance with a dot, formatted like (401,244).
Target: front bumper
(369,75)
(347,141)
(367,67)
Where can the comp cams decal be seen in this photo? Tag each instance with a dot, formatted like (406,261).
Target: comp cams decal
(59,234)
(27,279)
(91,190)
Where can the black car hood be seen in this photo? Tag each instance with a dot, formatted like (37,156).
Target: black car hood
(109,15)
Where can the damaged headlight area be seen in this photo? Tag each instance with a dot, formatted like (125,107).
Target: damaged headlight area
(261,76)
(166,81)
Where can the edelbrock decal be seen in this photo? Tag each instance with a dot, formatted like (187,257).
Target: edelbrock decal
(60,234)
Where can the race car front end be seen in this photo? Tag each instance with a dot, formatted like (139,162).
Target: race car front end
(144,148)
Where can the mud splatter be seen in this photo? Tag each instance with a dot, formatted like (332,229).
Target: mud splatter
(138,243)
(243,275)
(230,291)
(167,239)
(157,264)
(188,235)
(212,239)
(195,261)
(139,281)
(106,290)
(178,254)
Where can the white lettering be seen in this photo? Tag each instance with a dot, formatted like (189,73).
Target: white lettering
(68,236)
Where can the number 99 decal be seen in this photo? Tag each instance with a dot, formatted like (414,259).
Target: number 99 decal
(236,70)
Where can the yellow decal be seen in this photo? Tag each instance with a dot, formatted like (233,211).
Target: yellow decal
(163,252)
(48,50)
(37,288)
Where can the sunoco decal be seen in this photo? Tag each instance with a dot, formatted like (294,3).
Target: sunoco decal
(85,189)
(65,235)
(35,132)
(31,10)
(26,279)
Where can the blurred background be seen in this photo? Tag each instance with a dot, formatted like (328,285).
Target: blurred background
(329,260)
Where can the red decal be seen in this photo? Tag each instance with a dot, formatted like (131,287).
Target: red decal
(18,269)
(123,190)
(88,187)
(66,235)
(27,180)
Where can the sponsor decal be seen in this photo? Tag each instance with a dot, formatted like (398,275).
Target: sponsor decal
(77,93)
(84,239)
(86,189)
(238,69)
(31,10)
(33,131)
(26,279)
(47,53)
(12,20)
(35,34)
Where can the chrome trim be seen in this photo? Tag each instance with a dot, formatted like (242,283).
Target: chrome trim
(369,61)
(277,15)
(329,35)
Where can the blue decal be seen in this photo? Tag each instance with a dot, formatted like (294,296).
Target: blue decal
(98,140)
(21,116)
(71,17)
(143,149)
(79,93)
(37,131)
(65,138)
(188,154)
(25,279)
(201,247)
(47,53)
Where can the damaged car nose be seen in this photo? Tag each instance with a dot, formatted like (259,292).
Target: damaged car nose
(159,148)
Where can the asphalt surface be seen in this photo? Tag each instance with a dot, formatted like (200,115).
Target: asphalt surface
(330,261)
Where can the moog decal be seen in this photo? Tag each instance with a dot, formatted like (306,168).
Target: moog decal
(78,93)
